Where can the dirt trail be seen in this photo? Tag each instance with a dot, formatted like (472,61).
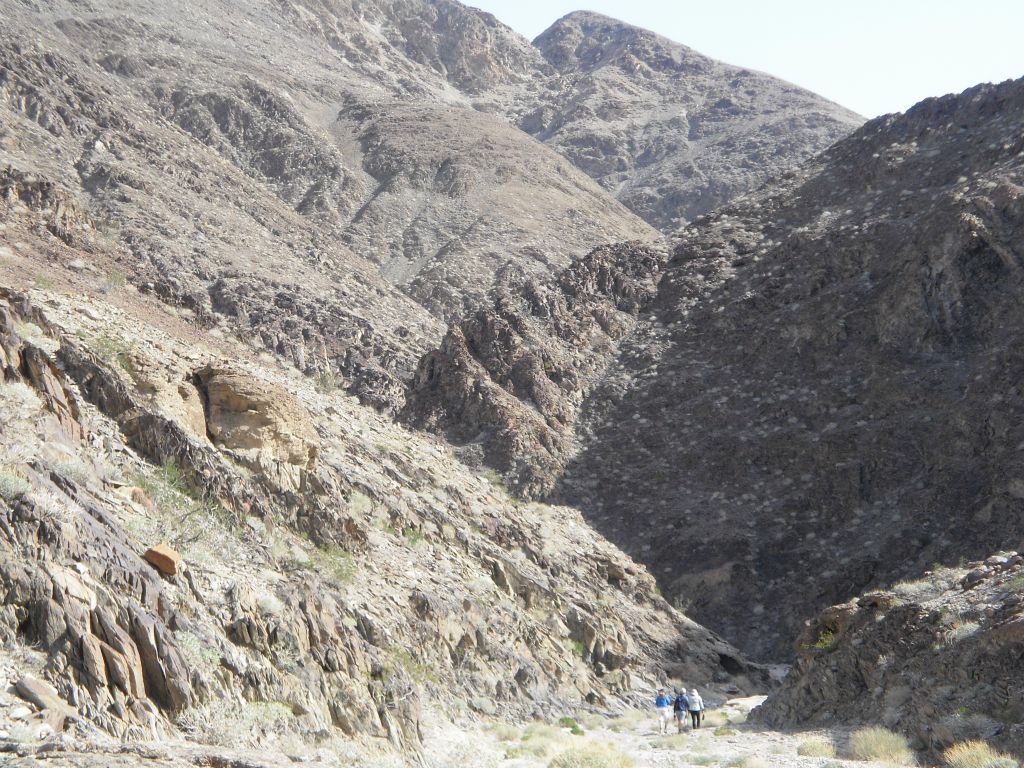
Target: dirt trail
(723,742)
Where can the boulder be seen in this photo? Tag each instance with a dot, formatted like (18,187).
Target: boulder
(164,558)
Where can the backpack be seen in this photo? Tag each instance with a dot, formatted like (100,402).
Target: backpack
(680,703)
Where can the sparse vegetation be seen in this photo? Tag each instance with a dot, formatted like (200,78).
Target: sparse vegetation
(826,641)
(335,562)
(503,731)
(327,381)
(229,724)
(12,486)
(723,730)
(115,351)
(675,741)
(579,649)
(816,749)
(976,754)
(881,745)
(199,654)
(114,279)
(593,755)
(400,658)
(413,536)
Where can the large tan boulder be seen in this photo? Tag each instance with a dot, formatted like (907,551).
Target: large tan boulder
(260,423)
(164,558)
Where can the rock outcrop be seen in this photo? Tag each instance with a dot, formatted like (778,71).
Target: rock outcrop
(819,390)
(941,659)
(510,379)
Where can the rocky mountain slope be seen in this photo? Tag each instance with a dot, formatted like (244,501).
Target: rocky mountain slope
(671,133)
(820,391)
(939,658)
(828,400)
(339,573)
(385,126)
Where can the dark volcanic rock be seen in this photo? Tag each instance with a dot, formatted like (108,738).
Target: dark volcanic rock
(831,399)
(512,376)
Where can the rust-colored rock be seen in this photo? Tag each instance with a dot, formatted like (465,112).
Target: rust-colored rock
(164,558)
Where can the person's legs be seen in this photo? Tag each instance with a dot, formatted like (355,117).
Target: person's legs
(695,719)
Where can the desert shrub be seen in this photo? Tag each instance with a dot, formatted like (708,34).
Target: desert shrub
(230,724)
(12,486)
(538,740)
(335,562)
(198,653)
(629,719)
(715,717)
(115,351)
(593,755)
(881,745)
(976,754)
(327,381)
(675,741)
(752,761)
(815,749)
(725,731)
(504,731)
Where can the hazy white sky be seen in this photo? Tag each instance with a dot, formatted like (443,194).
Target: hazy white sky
(873,56)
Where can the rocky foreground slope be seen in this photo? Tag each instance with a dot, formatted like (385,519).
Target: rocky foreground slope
(339,574)
(819,397)
(940,658)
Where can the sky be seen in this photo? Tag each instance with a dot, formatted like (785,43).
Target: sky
(872,56)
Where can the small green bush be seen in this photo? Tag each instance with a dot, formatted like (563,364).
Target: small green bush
(976,754)
(816,749)
(725,731)
(881,745)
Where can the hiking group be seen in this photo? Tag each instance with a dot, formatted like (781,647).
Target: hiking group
(678,707)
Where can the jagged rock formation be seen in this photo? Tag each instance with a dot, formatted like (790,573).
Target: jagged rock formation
(512,376)
(940,658)
(671,133)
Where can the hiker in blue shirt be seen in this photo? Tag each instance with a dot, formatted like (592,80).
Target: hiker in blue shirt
(663,703)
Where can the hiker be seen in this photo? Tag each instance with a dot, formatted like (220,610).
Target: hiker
(680,708)
(664,706)
(696,707)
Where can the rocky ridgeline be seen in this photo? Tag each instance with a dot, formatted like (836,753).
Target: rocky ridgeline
(510,379)
(671,133)
(829,394)
(336,573)
(939,658)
